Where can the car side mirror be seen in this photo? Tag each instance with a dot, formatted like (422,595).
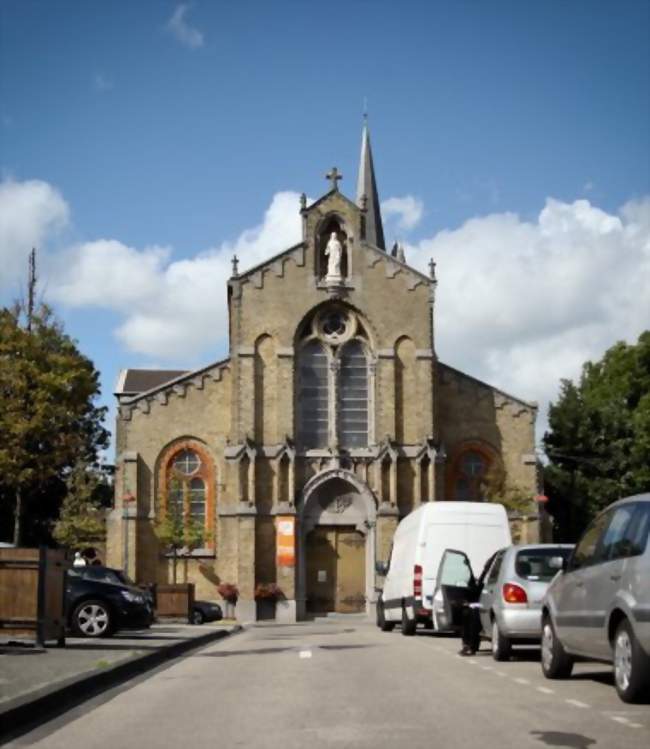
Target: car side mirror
(381,568)
(557,563)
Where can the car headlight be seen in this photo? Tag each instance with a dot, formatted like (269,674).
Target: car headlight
(132,597)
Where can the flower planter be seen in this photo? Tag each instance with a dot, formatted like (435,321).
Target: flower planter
(265,609)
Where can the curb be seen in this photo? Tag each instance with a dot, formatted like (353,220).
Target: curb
(28,712)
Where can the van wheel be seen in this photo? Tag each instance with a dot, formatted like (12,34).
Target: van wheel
(501,645)
(408,625)
(556,663)
(631,665)
(381,618)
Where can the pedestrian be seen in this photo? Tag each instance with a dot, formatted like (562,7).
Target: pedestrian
(471,616)
(79,561)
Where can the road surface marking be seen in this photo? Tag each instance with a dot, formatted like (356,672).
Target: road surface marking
(625,721)
(487,668)
(545,690)
(500,673)
(522,681)
(474,663)
(576,703)
(305,653)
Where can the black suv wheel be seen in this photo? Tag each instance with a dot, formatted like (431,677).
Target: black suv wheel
(92,619)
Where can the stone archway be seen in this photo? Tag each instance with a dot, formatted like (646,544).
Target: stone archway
(336,507)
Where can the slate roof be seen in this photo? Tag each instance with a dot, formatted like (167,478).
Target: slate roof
(134,381)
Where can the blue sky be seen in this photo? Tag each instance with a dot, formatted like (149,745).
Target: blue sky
(180,132)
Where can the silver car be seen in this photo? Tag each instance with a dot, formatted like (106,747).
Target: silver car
(511,599)
(598,607)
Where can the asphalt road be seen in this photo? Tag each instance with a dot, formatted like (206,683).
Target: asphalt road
(342,683)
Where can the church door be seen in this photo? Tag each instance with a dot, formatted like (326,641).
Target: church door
(336,574)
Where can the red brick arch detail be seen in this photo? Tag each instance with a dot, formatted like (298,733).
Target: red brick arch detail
(206,471)
(479,446)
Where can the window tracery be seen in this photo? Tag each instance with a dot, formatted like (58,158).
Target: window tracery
(334,381)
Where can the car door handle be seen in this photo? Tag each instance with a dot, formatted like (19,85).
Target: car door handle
(579,584)
(615,577)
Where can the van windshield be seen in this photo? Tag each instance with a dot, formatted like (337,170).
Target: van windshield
(533,564)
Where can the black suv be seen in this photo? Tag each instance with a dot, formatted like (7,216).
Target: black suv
(100,600)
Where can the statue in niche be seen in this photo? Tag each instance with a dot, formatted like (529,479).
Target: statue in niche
(333,253)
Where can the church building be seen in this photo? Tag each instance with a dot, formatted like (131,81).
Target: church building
(331,419)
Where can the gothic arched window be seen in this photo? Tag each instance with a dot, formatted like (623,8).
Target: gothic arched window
(186,476)
(313,395)
(353,396)
(467,480)
(333,389)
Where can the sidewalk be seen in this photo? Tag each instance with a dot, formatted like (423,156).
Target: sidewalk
(36,684)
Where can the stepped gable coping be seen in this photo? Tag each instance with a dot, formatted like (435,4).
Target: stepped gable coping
(176,381)
(533,405)
(383,254)
(264,263)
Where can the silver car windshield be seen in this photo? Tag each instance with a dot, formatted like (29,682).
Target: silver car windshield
(533,564)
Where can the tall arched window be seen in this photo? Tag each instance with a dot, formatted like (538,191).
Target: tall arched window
(333,381)
(186,474)
(468,475)
(313,394)
(353,396)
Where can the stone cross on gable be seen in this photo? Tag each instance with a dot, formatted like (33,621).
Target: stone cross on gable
(334,176)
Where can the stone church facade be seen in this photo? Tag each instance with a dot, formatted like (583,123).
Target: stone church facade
(330,420)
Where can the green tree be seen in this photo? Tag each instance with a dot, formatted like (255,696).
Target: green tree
(81,521)
(48,418)
(177,531)
(598,445)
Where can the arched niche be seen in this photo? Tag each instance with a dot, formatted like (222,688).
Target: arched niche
(331,223)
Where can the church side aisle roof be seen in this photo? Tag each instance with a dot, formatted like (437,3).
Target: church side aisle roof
(134,381)
(533,405)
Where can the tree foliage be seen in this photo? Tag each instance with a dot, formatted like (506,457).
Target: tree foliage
(48,418)
(81,521)
(177,531)
(598,445)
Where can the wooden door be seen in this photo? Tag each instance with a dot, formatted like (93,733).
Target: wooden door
(321,570)
(336,575)
(351,571)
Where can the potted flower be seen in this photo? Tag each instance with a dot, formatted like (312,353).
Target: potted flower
(266,595)
(230,593)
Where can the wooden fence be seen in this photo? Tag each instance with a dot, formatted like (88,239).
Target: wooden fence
(32,594)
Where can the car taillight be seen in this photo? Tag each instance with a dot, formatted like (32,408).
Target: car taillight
(514,593)
(417,581)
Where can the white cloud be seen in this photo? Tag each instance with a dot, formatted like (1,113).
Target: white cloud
(30,213)
(406,211)
(188,35)
(172,310)
(523,304)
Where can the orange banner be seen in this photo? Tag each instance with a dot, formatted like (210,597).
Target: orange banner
(286,540)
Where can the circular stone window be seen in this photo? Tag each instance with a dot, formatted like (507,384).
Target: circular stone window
(335,325)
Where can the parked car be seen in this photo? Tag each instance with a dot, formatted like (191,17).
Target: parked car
(479,528)
(598,607)
(511,599)
(100,600)
(206,611)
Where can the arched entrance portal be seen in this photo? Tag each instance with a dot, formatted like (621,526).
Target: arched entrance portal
(336,549)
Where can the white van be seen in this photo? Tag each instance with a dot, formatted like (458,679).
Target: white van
(477,528)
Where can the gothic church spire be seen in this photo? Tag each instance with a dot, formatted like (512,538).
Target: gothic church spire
(367,187)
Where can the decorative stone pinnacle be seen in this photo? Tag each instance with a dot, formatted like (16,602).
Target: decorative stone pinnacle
(303,201)
(235,264)
(432,269)
(364,202)
(334,176)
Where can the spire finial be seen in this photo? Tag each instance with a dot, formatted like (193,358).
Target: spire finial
(365,110)
(334,176)
(235,263)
